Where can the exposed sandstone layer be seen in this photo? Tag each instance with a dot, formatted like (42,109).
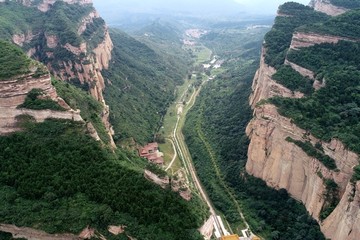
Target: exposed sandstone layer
(344,221)
(303,71)
(301,40)
(33,234)
(284,165)
(13,93)
(326,7)
(87,20)
(22,38)
(265,87)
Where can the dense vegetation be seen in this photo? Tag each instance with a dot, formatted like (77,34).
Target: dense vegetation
(56,178)
(346,3)
(278,40)
(34,100)
(90,109)
(13,61)
(215,133)
(16,18)
(356,176)
(337,104)
(312,151)
(293,80)
(344,25)
(140,87)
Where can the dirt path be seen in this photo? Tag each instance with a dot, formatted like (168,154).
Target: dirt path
(174,157)
(33,234)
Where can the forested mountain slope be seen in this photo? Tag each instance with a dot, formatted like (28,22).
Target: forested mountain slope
(140,85)
(55,174)
(304,136)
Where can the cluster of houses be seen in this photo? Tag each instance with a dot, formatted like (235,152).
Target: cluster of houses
(152,154)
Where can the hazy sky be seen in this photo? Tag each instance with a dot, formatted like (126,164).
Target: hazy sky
(211,6)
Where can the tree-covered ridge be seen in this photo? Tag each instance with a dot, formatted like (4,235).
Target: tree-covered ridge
(338,103)
(141,87)
(278,40)
(14,62)
(344,25)
(55,177)
(346,3)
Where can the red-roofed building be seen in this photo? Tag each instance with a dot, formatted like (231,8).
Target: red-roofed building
(151,153)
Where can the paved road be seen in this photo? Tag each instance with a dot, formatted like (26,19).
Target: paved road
(187,160)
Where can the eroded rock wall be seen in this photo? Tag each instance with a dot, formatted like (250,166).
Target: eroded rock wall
(282,164)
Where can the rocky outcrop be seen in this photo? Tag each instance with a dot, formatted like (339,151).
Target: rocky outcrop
(162,182)
(13,92)
(33,234)
(52,41)
(301,39)
(344,221)
(325,6)
(265,87)
(20,39)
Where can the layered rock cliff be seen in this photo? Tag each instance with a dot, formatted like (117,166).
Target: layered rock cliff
(265,87)
(283,164)
(13,93)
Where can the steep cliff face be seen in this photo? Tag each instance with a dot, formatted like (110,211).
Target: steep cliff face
(325,6)
(283,164)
